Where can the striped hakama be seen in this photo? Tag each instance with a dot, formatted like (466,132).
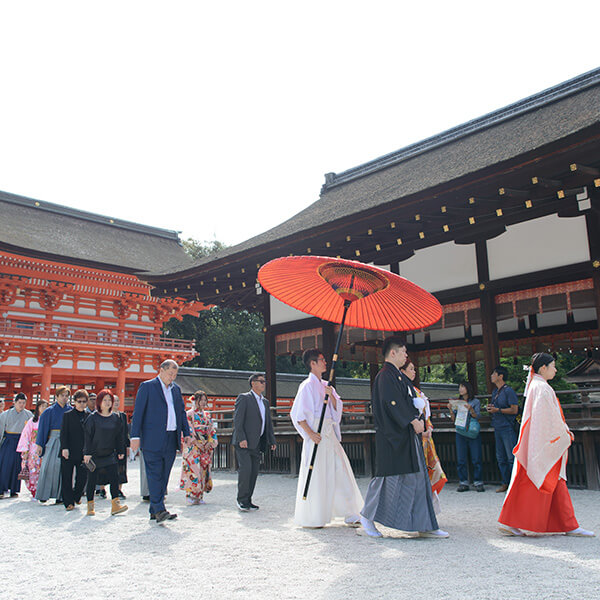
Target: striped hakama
(402,502)
(49,481)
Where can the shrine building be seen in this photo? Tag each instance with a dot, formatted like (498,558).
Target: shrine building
(499,218)
(74,309)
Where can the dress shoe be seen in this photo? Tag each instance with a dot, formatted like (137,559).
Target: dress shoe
(69,507)
(252,506)
(502,489)
(164,515)
(462,488)
(146,498)
(243,507)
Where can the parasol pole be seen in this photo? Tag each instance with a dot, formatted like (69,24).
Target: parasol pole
(326,400)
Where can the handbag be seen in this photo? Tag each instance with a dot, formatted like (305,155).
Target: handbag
(24,474)
(91,465)
(471,430)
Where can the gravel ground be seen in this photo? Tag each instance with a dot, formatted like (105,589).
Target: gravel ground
(216,552)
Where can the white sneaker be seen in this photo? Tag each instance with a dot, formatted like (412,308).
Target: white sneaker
(513,531)
(191,501)
(352,520)
(581,532)
(436,533)
(200,501)
(370,528)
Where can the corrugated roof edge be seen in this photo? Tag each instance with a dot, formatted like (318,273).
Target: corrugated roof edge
(205,372)
(88,216)
(543,98)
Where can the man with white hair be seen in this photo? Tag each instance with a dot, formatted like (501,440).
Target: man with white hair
(157,424)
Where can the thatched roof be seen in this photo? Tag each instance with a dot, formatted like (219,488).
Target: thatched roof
(523,127)
(64,234)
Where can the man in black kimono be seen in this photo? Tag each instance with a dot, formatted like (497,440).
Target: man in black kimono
(399,496)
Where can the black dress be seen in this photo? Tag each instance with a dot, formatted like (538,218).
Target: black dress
(104,441)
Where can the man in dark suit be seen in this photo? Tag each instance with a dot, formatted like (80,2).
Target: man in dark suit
(252,433)
(71,451)
(158,421)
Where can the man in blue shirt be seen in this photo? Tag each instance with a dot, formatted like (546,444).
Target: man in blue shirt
(504,407)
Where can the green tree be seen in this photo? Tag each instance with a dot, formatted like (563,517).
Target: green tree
(197,249)
(225,338)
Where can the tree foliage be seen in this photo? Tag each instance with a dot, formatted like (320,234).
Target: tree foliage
(565,361)
(225,338)
(198,249)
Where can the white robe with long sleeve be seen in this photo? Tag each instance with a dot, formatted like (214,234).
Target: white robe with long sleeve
(333,491)
(544,438)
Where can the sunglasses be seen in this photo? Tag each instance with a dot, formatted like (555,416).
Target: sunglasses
(83,401)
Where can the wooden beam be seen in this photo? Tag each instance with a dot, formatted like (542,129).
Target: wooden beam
(270,354)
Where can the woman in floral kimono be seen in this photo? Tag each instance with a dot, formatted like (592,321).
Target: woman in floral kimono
(30,461)
(197,456)
(437,477)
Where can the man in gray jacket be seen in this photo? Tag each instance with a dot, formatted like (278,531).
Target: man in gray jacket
(252,433)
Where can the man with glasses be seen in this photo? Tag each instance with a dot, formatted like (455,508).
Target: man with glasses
(252,433)
(71,451)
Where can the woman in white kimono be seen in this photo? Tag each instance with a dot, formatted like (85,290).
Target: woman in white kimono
(333,491)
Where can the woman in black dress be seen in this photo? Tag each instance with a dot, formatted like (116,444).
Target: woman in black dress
(104,446)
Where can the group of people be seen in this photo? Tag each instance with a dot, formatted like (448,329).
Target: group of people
(404,494)
(59,450)
(70,448)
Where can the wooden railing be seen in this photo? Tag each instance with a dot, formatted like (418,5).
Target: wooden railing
(583,417)
(94,336)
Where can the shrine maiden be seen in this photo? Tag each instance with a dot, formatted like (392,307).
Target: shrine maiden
(537,498)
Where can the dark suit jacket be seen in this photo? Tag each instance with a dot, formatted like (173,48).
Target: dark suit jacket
(247,423)
(71,435)
(149,421)
(393,411)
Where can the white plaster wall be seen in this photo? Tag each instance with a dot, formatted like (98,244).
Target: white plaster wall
(282,313)
(441,267)
(538,244)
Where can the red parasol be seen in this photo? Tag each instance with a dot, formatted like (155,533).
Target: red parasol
(348,292)
(379,300)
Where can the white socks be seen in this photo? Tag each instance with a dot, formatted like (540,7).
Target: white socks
(369,527)
(581,532)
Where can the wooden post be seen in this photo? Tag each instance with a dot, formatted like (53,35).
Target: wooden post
(472,371)
(487,307)
(328,342)
(373,370)
(270,354)
(120,388)
(46,380)
(592,473)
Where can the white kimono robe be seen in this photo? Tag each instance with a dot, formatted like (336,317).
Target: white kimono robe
(333,491)
(544,438)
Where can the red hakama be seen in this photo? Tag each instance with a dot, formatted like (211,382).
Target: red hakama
(547,510)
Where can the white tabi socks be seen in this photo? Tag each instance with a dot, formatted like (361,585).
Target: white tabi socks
(370,528)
